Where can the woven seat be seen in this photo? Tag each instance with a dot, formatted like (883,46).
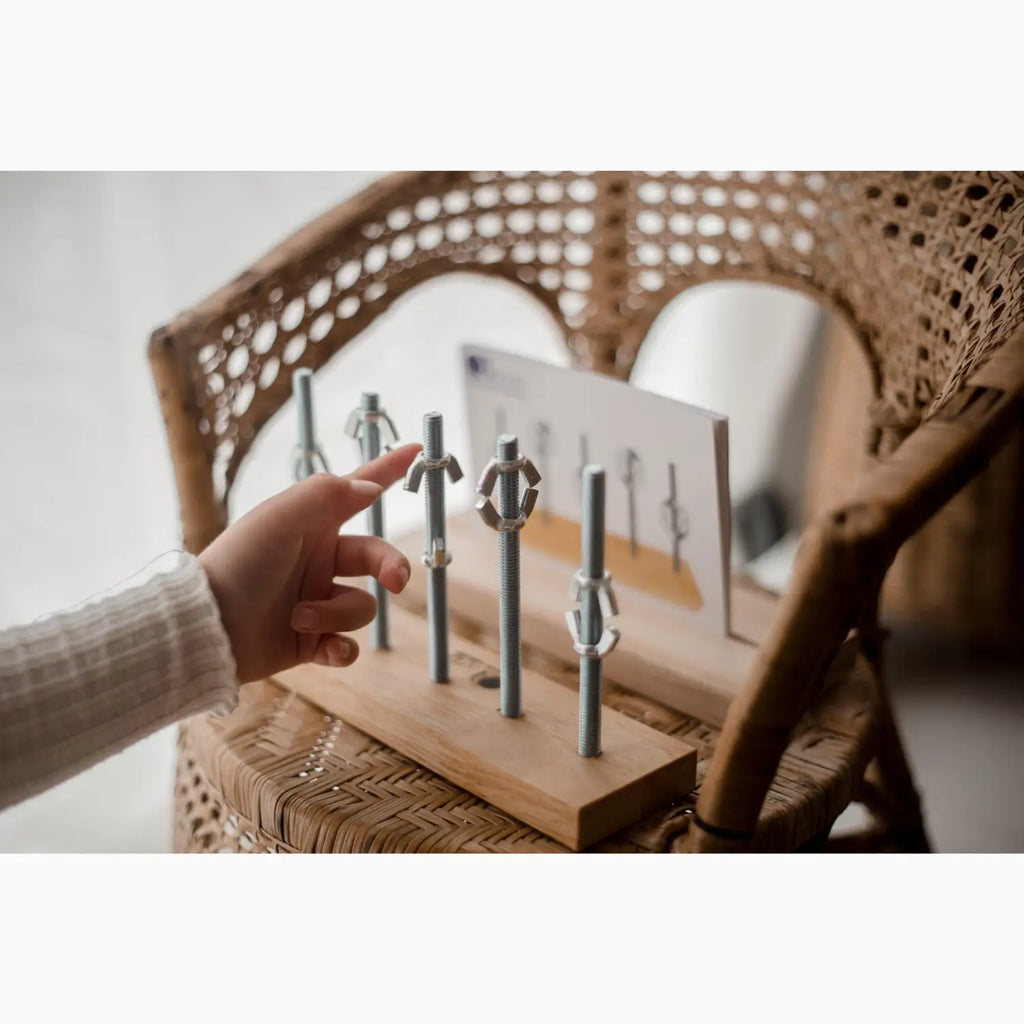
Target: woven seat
(301,780)
(924,268)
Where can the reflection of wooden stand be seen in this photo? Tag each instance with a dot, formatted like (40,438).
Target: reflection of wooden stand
(650,570)
(527,766)
(691,670)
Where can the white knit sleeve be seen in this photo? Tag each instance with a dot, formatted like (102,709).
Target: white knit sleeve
(82,685)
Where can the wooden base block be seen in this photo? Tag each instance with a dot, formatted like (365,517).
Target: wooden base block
(691,670)
(528,766)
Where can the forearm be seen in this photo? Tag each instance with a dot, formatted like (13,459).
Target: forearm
(83,685)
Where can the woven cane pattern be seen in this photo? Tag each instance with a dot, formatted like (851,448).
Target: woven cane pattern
(963,571)
(280,775)
(926,268)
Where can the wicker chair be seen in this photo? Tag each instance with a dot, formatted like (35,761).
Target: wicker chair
(962,574)
(925,268)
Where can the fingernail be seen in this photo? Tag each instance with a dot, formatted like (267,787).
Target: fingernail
(367,487)
(304,618)
(404,571)
(337,650)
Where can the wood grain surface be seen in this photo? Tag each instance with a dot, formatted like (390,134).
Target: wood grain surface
(528,766)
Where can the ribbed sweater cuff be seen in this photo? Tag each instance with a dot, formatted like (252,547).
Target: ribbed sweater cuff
(84,684)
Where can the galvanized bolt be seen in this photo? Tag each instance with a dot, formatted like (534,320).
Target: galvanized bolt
(592,588)
(508,519)
(370,417)
(674,518)
(308,452)
(432,462)
(629,474)
(364,425)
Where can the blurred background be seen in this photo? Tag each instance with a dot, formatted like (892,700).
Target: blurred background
(92,263)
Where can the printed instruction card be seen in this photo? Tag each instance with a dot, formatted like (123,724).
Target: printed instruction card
(667,510)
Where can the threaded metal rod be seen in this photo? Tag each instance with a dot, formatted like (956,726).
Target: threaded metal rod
(591,624)
(370,444)
(510,610)
(302,392)
(437,590)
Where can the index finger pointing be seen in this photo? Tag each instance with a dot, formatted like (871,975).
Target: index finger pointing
(389,468)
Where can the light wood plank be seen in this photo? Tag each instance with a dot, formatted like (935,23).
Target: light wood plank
(529,766)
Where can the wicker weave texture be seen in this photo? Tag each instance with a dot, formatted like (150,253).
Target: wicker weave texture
(925,267)
(280,775)
(963,572)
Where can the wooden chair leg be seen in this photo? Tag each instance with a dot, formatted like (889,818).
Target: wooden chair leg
(890,773)
(889,791)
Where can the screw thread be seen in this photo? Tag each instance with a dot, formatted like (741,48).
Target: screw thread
(591,623)
(370,446)
(509,633)
(591,686)
(433,435)
(302,390)
(437,592)
(433,448)
(593,522)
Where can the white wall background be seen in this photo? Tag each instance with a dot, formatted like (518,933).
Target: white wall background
(91,263)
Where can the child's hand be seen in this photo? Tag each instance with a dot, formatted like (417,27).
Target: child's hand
(273,571)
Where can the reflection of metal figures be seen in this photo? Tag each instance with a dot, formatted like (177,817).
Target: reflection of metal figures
(543,452)
(629,474)
(674,518)
(433,462)
(584,460)
(366,425)
(508,519)
(592,587)
(308,452)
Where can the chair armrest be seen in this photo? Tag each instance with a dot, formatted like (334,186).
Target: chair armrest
(840,567)
(949,448)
